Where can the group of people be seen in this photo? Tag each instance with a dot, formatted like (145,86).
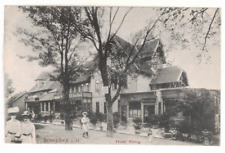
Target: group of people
(24,131)
(17,131)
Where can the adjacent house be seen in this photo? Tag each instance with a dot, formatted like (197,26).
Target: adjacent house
(40,98)
(17,100)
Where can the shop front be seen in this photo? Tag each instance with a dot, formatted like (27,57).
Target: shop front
(138,105)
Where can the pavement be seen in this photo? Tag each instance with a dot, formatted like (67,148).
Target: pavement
(54,134)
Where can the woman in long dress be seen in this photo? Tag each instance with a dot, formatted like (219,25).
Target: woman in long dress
(84,122)
(28,129)
(13,126)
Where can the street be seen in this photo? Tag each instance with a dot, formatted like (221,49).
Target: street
(55,134)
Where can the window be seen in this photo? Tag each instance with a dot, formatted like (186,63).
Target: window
(81,87)
(180,114)
(71,89)
(86,104)
(124,113)
(114,86)
(105,109)
(87,87)
(124,83)
(97,107)
(118,105)
(86,107)
(159,108)
(135,109)
(97,86)
(76,88)
(42,106)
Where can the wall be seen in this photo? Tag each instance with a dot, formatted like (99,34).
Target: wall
(143,83)
(20,103)
(99,95)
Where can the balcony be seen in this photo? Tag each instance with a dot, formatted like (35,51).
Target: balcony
(32,99)
(78,95)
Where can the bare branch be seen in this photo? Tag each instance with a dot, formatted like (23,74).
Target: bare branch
(145,39)
(121,23)
(111,21)
(209,28)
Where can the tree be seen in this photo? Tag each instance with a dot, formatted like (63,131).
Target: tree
(114,62)
(55,42)
(199,106)
(9,89)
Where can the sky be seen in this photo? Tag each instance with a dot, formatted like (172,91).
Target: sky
(23,73)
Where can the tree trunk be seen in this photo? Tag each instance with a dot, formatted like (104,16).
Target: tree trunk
(109,120)
(68,118)
(109,114)
(67,107)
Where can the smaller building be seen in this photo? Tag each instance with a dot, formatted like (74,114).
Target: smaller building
(41,98)
(146,104)
(167,88)
(18,100)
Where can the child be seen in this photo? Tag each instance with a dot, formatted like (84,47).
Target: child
(84,122)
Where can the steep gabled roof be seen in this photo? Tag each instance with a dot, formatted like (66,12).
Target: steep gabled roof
(82,78)
(167,75)
(149,48)
(16,96)
(43,76)
(147,51)
(49,85)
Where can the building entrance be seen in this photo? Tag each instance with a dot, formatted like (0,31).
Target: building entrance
(149,110)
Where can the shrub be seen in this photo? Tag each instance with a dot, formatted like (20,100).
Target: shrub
(38,118)
(184,127)
(137,120)
(45,118)
(50,118)
(61,116)
(137,123)
(93,118)
(101,117)
(153,119)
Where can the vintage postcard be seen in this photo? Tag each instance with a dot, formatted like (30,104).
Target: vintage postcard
(112,75)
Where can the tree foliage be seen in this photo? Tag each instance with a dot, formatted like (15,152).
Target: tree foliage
(55,42)
(198,106)
(9,89)
(188,27)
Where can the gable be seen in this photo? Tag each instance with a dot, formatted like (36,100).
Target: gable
(168,75)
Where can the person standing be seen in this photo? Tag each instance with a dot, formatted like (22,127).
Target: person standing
(27,129)
(13,127)
(84,122)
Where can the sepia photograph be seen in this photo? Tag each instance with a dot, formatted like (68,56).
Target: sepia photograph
(112,75)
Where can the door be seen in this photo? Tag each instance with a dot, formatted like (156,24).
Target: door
(97,107)
(124,113)
(149,110)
